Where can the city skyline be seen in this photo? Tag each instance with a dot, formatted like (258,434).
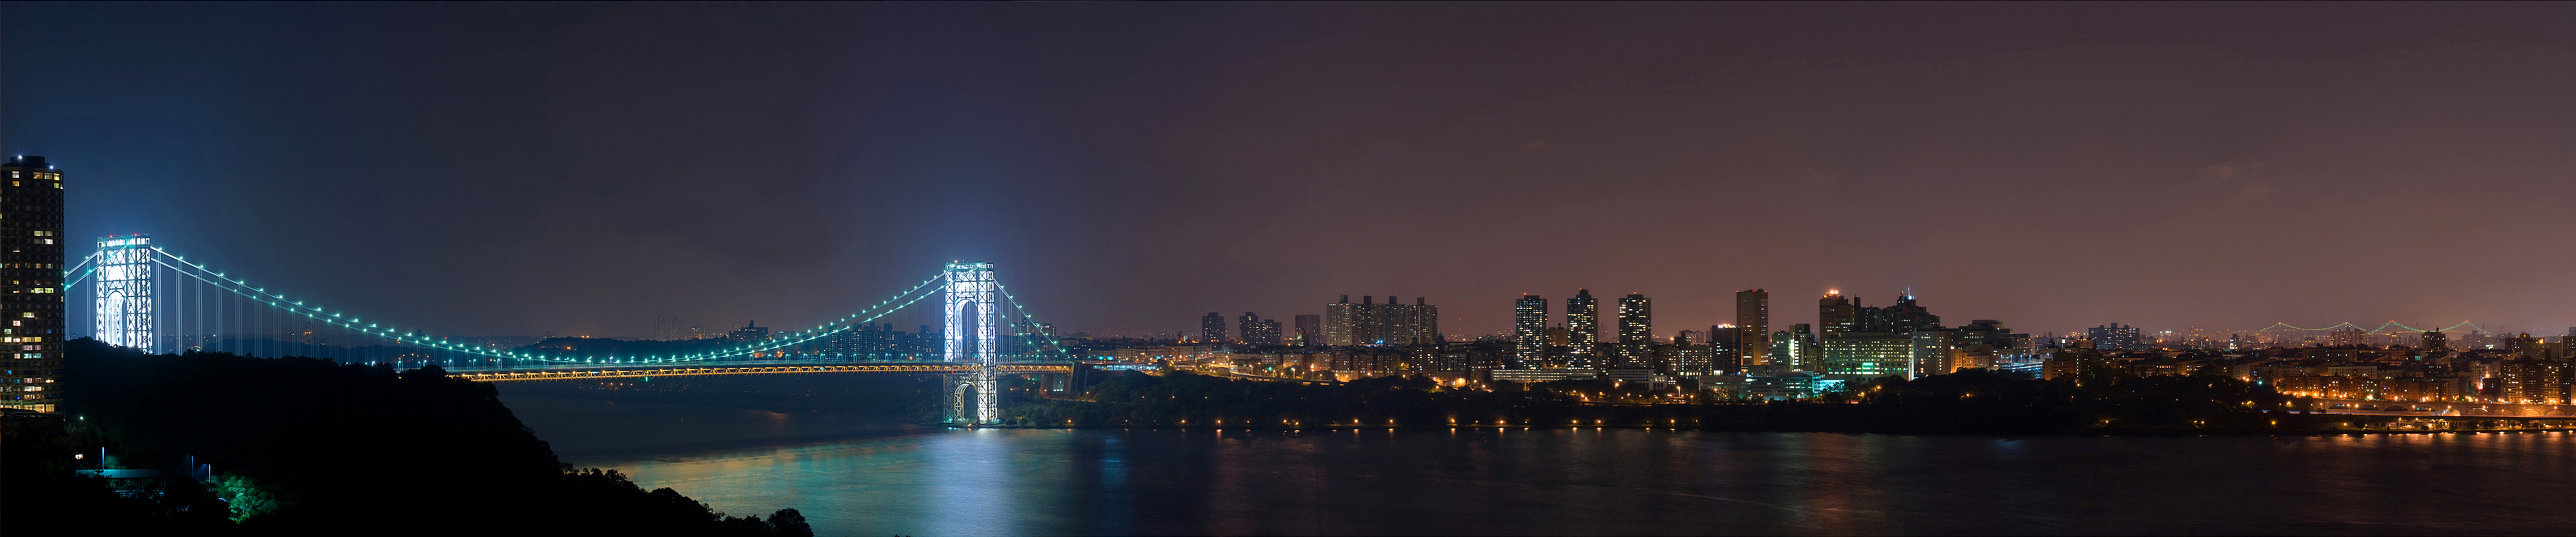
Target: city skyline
(1404,154)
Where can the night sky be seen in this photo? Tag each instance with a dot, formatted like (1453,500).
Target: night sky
(481,169)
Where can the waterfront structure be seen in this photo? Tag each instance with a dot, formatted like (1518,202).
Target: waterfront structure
(1310,330)
(1583,328)
(33,221)
(2527,380)
(1529,331)
(1212,327)
(1753,326)
(1636,331)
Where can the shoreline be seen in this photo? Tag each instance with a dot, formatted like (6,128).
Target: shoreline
(2571,428)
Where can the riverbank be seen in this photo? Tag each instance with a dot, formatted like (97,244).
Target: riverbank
(300,445)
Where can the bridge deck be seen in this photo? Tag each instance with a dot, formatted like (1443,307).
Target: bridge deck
(517,375)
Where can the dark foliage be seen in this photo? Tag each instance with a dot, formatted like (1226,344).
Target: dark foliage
(358,449)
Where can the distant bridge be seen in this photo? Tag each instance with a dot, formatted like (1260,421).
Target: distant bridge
(142,296)
(570,373)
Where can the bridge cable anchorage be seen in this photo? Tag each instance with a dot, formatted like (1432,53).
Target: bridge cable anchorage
(279,302)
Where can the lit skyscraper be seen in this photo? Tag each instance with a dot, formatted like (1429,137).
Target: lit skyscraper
(1836,314)
(1753,326)
(1212,328)
(1636,331)
(33,220)
(1341,323)
(1529,331)
(1583,327)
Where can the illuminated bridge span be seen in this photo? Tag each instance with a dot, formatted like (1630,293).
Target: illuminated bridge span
(144,297)
(778,369)
(2388,327)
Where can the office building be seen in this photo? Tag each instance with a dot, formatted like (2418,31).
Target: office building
(1866,353)
(1836,314)
(1753,324)
(1794,348)
(33,220)
(1529,331)
(1583,327)
(1636,331)
(1726,342)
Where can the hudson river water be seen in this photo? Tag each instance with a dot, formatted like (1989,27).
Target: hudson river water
(852,474)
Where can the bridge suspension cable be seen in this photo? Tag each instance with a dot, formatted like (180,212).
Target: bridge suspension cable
(280,302)
(2401,327)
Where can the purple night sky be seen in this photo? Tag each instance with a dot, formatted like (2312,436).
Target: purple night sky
(517,169)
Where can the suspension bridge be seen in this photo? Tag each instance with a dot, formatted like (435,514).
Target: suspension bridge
(145,297)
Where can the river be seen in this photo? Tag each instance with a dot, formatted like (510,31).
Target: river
(854,474)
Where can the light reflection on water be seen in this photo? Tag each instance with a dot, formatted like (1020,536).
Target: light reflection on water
(1626,481)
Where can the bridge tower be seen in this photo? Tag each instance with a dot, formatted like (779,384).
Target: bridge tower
(974,336)
(122,292)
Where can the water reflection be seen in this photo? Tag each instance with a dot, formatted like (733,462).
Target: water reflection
(1596,481)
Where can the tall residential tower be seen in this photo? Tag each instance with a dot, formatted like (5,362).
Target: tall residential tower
(33,222)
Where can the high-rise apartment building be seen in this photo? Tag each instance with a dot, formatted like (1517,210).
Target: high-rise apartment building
(1259,331)
(1371,323)
(1212,328)
(2527,380)
(1583,327)
(1341,323)
(1529,331)
(1310,330)
(33,222)
(1412,324)
(2436,344)
(1753,326)
(2114,336)
(1636,331)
